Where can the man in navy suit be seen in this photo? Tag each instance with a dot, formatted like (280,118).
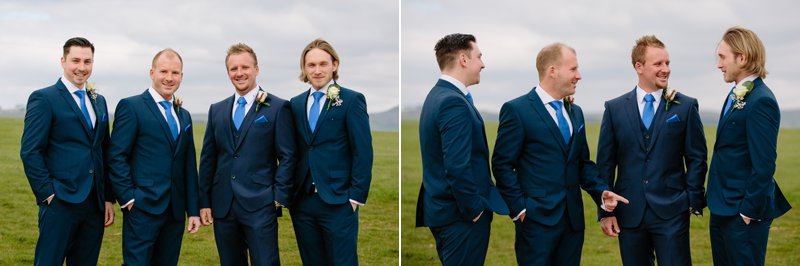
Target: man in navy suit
(246,165)
(153,167)
(652,143)
(65,135)
(743,196)
(334,166)
(457,196)
(541,162)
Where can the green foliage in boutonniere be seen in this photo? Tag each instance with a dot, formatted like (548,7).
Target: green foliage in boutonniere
(741,91)
(568,100)
(333,95)
(669,96)
(261,99)
(90,89)
(177,103)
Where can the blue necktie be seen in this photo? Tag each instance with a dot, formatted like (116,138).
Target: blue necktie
(84,110)
(648,112)
(562,122)
(730,102)
(469,99)
(173,126)
(238,115)
(313,114)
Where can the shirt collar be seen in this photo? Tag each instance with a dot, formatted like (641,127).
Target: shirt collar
(157,97)
(455,82)
(640,95)
(750,78)
(250,96)
(324,89)
(70,87)
(546,98)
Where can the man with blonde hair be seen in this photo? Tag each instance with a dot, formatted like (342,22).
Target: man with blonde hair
(743,196)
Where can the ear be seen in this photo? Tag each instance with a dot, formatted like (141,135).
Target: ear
(151,73)
(639,67)
(462,59)
(740,59)
(335,66)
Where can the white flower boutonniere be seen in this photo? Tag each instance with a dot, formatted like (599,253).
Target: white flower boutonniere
(333,95)
(669,96)
(90,89)
(261,99)
(741,91)
(177,103)
(568,100)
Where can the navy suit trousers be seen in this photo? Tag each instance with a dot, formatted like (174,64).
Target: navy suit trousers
(735,243)
(241,231)
(462,242)
(538,244)
(668,238)
(326,234)
(74,231)
(149,239)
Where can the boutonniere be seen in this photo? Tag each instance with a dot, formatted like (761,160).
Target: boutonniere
(333,95)
(90,89)
(669,96)
(741,91)
(177,102)
(568,100)
(261,99)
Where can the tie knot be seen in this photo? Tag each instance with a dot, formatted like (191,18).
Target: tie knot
(649,98)
(80,93)
(165,104)
(317,95)
(556,105)
(242,101)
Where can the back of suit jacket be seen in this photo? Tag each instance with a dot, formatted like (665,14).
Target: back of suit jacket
(338,154)
(740,180)
(147,164)
(456,179)
(245,164)
(664,168)
(60,151)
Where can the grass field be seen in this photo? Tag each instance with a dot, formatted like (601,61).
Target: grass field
(418,247)
(378,221)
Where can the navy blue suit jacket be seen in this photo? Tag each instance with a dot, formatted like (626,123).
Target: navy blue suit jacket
(667,172)
(60,152)
(456,178)
(255,165)
(740,179)
(147,164)
(536,170)
(339,153)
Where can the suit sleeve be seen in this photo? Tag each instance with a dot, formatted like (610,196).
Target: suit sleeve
(208,162)
(192,200)
(607,154)
(35,138)
(285,150)
(695,159)
(123,139)
(590,178)
(507,149)
(109,192)
(762,126)
(455,127)
(360,139)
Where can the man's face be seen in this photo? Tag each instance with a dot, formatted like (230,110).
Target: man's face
(242,71)
(474,65)
(167,75)
(77,65)
(319,67)
(654,71)
(567,74)
(732,66)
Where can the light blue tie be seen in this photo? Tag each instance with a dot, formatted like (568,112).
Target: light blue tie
(238,115)
(81,94)
(173,126)
(313,114)
(730,102)
(469,99)
(648,112)
(562,122)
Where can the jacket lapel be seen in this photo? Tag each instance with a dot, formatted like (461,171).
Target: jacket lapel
(248,120)
(632,109)
(98,114)
(322,117)
(573,117)
(74,106)
(227,121)
(658,123)
(151,105)
(538,106)
(183,117)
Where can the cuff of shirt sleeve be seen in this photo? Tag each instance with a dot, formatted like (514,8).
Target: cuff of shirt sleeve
(356,202)
(49,198)
(126,204)
(520,214)
(603,204)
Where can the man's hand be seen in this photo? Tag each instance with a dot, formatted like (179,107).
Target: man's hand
(522,217)
(474,220)
(109,214)
(354,206)
(130,206)
(194,224)
(611,199)
(746,220)
(205,216)
(610,226)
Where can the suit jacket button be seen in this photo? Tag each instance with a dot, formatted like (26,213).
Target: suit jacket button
(233,177)
(91,171)
(236,156)
(310,148)
(646,136)
(646,181)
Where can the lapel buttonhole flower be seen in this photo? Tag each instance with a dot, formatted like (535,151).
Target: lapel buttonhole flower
(741,91)
(669,95)
(333,95)
(261,99)
(177,103)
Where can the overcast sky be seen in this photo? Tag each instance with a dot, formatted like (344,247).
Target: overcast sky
(127,34)
(511,33)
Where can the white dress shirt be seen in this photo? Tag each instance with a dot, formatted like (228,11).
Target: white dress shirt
(546,99)
(72,89)
(640,93)
(250,97)
(455,82)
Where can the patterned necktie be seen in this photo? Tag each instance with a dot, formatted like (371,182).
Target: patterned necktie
(238,115)
(729,106)
(173,126)
(313,114)
(469,99)
(562,122)
(648,112)
(81,94)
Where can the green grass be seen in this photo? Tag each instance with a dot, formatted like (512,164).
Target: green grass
(418,247)
(378,223)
